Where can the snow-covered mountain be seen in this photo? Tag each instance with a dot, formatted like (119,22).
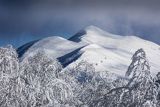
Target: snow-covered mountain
(54,46)
(106,51)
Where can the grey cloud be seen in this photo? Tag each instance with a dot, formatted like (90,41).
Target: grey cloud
(66,17)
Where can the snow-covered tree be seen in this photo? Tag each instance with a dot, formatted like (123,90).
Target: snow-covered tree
(9,70)
(80,77)
(141,84)
(86,83)
(41,82)
(140,91)
(157,82)
(9,65)
(60,93)
(37,73)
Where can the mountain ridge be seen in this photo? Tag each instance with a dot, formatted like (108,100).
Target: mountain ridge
(93,44)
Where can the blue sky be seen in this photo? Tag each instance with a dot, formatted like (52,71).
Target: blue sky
(22,21)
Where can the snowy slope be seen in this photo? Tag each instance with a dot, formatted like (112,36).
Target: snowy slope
(123,46)
(102,59)
(54,46)
(22,49)
(106,51)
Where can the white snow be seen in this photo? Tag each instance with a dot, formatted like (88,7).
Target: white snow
(108,52)
(103,59)
(119,49)
(54,46)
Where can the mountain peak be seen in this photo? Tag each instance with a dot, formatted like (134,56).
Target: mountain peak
(90,34)
(89,30)
(92,27)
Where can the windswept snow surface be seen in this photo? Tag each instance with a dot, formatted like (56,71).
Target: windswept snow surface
(54,46)
(102,59)
(106,51)
(118,49)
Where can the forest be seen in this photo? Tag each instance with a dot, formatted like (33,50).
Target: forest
(41,81)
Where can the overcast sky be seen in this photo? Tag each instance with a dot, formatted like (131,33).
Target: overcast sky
(22,21)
